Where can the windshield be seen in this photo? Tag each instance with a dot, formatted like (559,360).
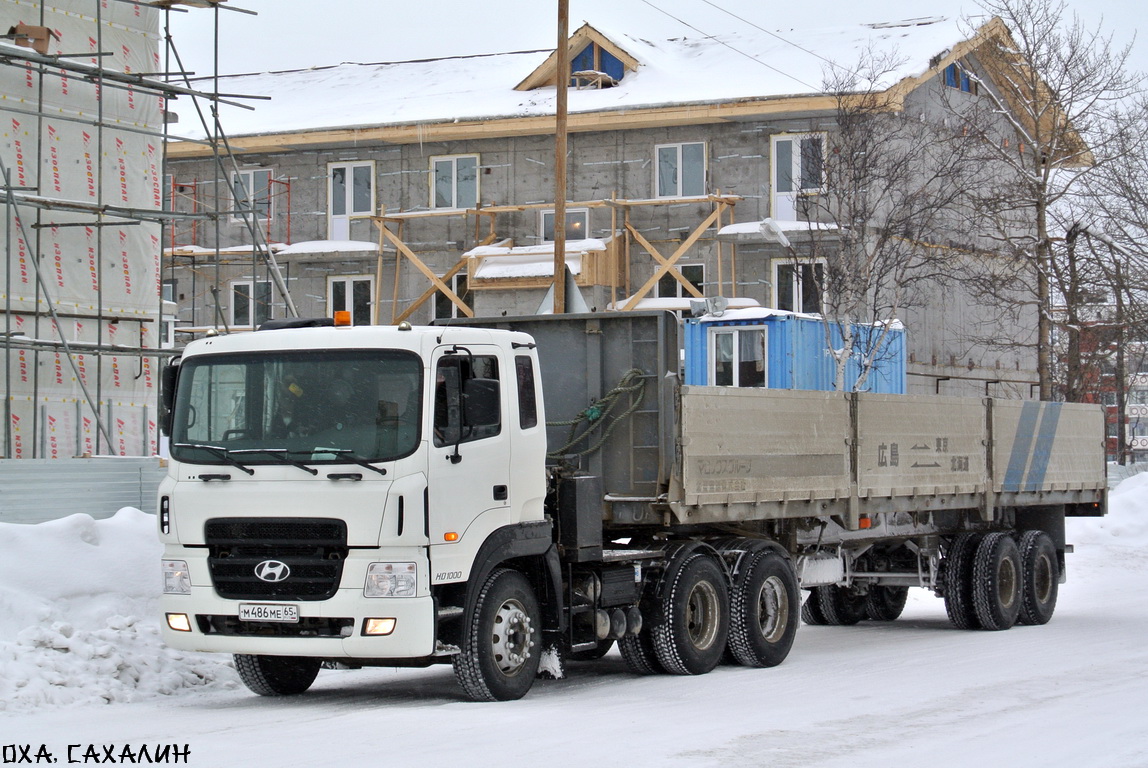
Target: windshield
(330,406)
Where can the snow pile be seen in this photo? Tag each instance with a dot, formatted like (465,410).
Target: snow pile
(1126,523)
(79,616)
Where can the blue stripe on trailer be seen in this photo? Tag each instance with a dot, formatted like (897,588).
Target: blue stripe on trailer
(1045,437)
(1021,444)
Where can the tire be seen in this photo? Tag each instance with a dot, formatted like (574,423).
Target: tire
(603,648)
(996,582)
(638,654)
(839,606)
(276,675)
(811,610)
(764,611)
(500,651)
(958,580)
(885,603)
(1040,577)
(691,636)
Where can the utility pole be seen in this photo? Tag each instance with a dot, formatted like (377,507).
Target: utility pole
(561,85)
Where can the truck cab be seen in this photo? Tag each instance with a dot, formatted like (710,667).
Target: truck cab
(331,488)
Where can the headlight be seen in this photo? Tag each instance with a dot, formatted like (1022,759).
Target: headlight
(391,580)
(176,580)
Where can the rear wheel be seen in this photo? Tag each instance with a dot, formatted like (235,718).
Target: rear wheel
(885,603)
(764,610)
(638,654)
(276,675)
(996,582)
(499,657)
(691,637)
(1040,577)
(958,580)
(839,605)
(811,610)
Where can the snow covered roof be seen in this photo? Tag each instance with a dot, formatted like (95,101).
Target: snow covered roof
(684,70)
(498,262)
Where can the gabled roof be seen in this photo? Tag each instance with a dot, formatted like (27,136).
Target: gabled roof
(750,74)
(545,73)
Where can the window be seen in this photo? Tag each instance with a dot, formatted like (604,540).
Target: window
(527,401)
(352,193)
(454,181)
(737,357)
(168,289)
(444,307)
(798,169)
(957,77)
(797,286)
(594,58)
(669,288)
(252,191)
(681,170)
(577,225)
(250,302)
(353,294)
(458,381)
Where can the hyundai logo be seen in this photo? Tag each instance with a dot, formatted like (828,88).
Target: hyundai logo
(272,570)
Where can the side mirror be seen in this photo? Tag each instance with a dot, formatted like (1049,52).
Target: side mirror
(167,381)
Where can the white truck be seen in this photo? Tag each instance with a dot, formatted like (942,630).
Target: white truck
(487,493)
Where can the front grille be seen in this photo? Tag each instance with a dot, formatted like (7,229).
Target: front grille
(313,550)
(307,626)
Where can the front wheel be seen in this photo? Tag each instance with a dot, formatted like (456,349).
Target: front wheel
(276,675)
(764,608)
(499,657)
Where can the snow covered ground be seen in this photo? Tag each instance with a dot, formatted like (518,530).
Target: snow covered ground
(81,664)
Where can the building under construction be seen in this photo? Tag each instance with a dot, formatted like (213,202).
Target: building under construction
(84,89)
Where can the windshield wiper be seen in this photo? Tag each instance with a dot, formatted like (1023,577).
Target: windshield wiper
(219,452)
(350,456)
(278,453)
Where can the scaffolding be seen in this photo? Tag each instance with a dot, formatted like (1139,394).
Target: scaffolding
(84,90)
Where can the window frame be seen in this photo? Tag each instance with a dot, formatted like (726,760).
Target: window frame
(796,168)
(351,212)
(264,200)
(796,285)
(252,300)
(454,181)
(735,331)
(570,212)
(678,182)
(349,281)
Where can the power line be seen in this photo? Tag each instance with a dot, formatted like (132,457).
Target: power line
(749,56)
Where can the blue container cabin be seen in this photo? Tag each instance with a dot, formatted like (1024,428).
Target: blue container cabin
(782,350)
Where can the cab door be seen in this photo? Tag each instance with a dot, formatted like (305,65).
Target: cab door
(469,448)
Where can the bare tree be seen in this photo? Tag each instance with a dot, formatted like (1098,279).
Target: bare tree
(1047,88)
(891,180)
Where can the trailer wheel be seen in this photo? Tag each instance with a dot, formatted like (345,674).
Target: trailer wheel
(811,610)
(498,660)
(763,611)
(638,654)
(1040,577)
(996,582)
(885,603)
(839,606)
(691,637)
(958,580)
(276,675)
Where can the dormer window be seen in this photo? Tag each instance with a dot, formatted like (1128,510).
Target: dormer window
(956,76)
(594,66)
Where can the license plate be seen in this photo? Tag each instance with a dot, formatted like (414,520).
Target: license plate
(268,612)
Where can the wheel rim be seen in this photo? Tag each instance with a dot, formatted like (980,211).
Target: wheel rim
(1043,579)
(773,609)
(510,639)
(1006,582)
(702,612)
